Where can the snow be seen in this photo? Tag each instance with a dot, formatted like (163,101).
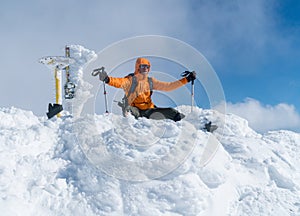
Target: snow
(111,165)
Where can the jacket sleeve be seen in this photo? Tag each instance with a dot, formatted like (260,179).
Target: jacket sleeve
(168,86)
(119,82)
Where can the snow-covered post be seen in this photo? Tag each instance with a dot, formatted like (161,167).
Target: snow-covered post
(58,63)
(58,89)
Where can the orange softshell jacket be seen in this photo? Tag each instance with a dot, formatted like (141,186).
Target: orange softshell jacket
(141,97)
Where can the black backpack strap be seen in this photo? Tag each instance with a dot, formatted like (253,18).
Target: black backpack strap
(150,84)
(124,104)
(133,86)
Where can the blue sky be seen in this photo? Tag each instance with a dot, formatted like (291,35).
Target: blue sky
(252,45)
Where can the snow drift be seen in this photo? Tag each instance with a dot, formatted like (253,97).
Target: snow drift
(44,171)
(111,165)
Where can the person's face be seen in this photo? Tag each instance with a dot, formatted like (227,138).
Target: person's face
(144,68)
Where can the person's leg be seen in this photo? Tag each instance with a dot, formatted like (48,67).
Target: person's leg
(163,113)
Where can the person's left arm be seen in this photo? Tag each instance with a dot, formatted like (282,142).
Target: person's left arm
(168,86)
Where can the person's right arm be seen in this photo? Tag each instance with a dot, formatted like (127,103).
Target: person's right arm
(118,82)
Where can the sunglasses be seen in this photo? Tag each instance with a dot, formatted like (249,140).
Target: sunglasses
(144,66)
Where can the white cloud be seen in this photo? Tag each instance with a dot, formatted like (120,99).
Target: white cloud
(263,118)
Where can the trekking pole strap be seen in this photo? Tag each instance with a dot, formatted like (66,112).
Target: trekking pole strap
(97,71)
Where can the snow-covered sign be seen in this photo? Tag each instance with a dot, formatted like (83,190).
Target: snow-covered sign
(57,61)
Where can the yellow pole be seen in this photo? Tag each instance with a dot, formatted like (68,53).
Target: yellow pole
(57,76)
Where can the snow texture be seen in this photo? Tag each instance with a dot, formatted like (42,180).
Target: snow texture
(45,168)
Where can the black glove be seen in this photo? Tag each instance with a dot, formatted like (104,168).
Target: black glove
(103,77)
(102,74)
(189,75)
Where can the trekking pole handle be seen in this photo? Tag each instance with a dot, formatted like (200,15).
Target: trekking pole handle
(97,71)
(185,73)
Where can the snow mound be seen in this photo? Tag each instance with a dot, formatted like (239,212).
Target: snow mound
(111,165)
(45,170)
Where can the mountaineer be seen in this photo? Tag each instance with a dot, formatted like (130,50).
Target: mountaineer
(138,88)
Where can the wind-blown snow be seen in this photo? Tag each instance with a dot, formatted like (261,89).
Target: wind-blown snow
(45,170)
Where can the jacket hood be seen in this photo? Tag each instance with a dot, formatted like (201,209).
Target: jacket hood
(139,62)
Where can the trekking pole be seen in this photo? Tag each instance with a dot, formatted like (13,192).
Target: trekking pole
(185,74)
(193,95)
(95,73)
(105,97)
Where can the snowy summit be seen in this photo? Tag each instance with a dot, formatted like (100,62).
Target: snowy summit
(111,165)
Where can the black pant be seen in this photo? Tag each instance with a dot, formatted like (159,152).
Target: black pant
(158,113)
